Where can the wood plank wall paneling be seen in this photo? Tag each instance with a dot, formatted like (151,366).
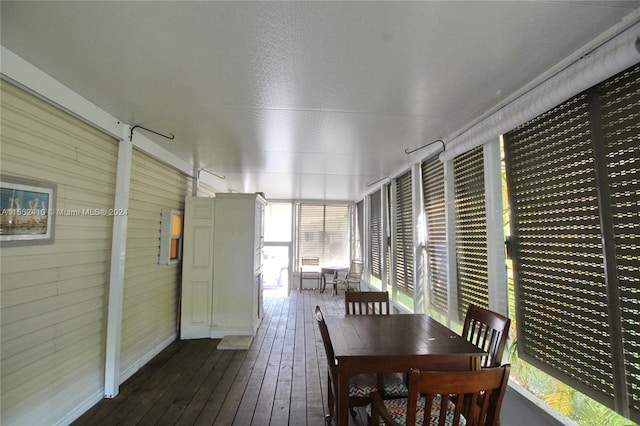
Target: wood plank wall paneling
(205,190)
(53,297)
(151,290)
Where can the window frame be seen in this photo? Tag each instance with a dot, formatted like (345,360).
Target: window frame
(168,237)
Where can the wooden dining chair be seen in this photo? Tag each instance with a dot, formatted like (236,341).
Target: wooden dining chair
(360,386)
(366,303)
(376,303)
(487,330)
(447,398)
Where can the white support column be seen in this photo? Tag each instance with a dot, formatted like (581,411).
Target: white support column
(419,228)
(365,241)
(116,281)
(194,182)
(496,269)
(450,225)
(393,231)
(385,200)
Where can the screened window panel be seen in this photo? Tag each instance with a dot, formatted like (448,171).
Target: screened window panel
(560,283)
(324,233)
(471,231)
(404,235)
(375,253)
(336,235)
(436,250)
(311,242)
(620,106)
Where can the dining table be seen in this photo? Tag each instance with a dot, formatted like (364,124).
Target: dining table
(394,344)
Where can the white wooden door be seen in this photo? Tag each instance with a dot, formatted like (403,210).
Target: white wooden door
(197,268)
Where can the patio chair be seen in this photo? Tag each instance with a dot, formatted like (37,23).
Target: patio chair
(310,269)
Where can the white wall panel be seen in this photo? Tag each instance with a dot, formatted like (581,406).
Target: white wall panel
(149,315)
(54,296)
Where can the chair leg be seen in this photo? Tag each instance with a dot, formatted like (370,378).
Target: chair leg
(331,401)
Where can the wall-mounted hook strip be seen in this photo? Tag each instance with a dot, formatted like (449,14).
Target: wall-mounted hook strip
(211,173)
(379,180)
(407,151)
(149,130)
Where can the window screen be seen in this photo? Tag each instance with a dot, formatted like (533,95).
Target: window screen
(436,239)
(404,235)
(324,233)
(375,253)
(471,231)
(572,177)
(620,104)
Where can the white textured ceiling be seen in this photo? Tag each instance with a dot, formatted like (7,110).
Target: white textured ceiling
(301,100)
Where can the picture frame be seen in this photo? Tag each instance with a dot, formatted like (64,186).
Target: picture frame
(27,211)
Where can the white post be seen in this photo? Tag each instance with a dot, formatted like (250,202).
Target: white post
(116,281)
(419,229)
(393,231)
(496,269)
(194,182)
(450,225)
(365,241)
(385,226)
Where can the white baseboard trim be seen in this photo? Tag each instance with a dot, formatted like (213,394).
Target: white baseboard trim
(74,414)
(98,396)
(147,357)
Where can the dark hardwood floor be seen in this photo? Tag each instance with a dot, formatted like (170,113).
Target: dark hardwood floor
(280,380)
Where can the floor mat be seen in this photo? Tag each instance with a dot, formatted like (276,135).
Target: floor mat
(232,343)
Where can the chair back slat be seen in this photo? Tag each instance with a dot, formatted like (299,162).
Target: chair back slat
(366,302)
(488,331)
(476,395)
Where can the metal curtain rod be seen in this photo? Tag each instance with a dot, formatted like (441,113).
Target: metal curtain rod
(211,173)
(407,151)
(379,180)
(149,130)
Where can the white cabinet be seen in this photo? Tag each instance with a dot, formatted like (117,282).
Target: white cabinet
(222,266)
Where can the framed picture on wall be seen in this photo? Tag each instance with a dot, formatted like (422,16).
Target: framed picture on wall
(27,211)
